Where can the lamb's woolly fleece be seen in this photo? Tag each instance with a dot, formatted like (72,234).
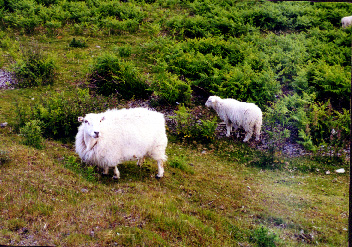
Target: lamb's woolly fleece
(112,137)
(237,114)
(346,21)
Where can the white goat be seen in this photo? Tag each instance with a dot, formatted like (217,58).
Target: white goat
(346,21)
(112,137)
(237,114)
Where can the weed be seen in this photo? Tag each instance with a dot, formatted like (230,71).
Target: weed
(4,157)
(190,128)
(16,224)
(86,171)
(77,43)
(32,133)
(179,162)
(262,238)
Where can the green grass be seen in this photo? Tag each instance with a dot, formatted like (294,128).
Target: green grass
(222,202)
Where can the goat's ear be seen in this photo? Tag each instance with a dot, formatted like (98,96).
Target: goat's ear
(80,119)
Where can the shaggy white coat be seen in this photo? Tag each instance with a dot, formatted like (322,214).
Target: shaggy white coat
(238,114)
(115,136)
(346,21)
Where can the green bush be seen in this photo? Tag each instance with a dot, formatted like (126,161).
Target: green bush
(170,89)
(328,82)
(58,112)
(224,68)
(35,70)
(112,76)
(191,127)
(32,133)
(309,123)
(124,51)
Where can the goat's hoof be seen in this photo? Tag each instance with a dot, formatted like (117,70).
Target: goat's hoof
(115,178)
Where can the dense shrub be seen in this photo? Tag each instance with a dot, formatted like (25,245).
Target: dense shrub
(112,76)
(329,82)
(312,124)
(224,68)
(170,89)
(35,70)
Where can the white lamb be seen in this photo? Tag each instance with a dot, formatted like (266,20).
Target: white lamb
(346,21)
(237,114)
(112,137)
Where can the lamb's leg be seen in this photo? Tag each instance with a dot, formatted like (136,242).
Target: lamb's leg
(105,171)
(160,169)
(228,128)
(140,162)
(235,130)
(248,135)
(257,132)
(117,173)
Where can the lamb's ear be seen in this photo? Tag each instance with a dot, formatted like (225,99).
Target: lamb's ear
(214,101)
(80,119)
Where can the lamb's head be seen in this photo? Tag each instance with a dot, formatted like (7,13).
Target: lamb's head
(91,123)
(212,101)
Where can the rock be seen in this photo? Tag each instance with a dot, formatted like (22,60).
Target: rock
(2,125)
(340,170)
(327,172)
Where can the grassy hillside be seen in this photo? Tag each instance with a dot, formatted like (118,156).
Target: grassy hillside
(68,58)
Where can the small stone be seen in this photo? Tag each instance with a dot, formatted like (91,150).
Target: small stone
(327,172)
(340,170)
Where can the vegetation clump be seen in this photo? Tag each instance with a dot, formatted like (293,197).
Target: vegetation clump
(77,43)
(112,76)
(35,70)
